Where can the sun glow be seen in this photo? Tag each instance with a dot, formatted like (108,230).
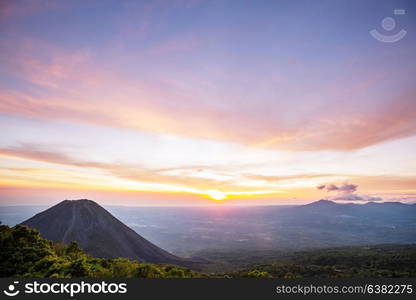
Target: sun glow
(216,195)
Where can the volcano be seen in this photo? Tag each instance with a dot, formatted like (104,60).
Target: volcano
(98,232)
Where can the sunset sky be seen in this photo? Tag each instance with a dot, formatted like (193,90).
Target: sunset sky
(206,102)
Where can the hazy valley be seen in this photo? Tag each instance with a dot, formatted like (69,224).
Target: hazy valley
(194,231)
(322,239)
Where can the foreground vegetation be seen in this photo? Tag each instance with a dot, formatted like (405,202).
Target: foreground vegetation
(24,253)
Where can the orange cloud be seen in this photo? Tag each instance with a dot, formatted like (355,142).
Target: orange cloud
(177,179)
(128,174)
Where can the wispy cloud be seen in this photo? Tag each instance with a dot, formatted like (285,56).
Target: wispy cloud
(36,152)
(191,179)
(355,197)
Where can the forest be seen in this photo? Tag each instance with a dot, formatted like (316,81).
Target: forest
(24,253)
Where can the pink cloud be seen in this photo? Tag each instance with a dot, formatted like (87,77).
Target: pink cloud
(72,86)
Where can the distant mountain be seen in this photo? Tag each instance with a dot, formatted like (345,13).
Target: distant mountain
(97,232)
(328,203)
(320,204)
(372,210)
(326,223)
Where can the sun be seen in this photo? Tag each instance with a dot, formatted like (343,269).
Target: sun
(216,195)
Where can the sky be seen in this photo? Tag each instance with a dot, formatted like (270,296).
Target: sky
(188,102)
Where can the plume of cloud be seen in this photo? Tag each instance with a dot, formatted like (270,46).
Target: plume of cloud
(346,192)
(345,188)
